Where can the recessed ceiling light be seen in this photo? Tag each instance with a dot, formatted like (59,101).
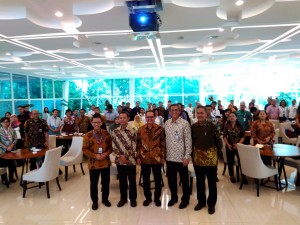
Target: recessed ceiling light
(239,2)
(210,43)
(54,65)
(105,49)
(221,30)
(7,53)
(58,14)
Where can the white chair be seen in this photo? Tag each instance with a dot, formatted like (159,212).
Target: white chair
(276,136)
(252,166)
(275,123)
(236,162)
(47,172)
(73,156)
(52,141)
(3,171)
(192,174)
(285,139)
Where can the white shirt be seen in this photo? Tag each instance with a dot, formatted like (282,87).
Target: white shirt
(178,140)
(143,118)
(90,113)
(292,111)
(215,113)
(283,111)
(189,110)
(54,122)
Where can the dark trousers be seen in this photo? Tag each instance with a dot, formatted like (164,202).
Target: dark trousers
(146,171)
(127,174)
(172,169)
(230,160)
(105,180)
(11,166)
(210,173)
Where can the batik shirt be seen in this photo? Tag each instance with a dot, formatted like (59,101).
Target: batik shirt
(178,140)
(124,143)
(35,130)
(7,137)
(151,144)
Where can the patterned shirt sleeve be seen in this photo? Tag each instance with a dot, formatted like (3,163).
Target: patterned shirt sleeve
(188,142)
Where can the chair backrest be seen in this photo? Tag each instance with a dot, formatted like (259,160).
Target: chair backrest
(3,170)
(52,141)
(224,150)
(76,148)
(50,167)
(275,123)
(283,127)
(276,136)
(251,163)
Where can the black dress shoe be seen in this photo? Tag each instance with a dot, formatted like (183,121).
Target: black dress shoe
(217,179)
(172,202)
(157,202)
(95,206)
(183,205)
(106,203)
(121,203)
(211,210)
(232,179)
(198,207)
(245,181)
(133,203)
(60,172)
(147,202)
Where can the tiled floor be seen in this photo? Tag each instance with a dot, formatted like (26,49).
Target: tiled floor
(72,205)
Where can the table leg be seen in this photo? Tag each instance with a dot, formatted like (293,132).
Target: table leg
(280,170)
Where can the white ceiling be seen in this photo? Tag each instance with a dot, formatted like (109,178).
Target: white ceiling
(34,41)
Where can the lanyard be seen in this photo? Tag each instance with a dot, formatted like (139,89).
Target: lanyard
(99,141)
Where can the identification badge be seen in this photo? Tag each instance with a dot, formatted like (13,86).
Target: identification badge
(99,150)
(244,119)
(40,130)
(7,143)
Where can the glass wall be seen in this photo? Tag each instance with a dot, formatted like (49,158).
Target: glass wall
(18,90)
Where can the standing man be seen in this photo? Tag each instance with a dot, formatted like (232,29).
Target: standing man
(128,109)
(292,110)
(206,145)
(189,110)
(124,146)
(136,110)
(91,112)
(36,134)
(245,118)
(97,147)
(22,117)
(82,122)
(161,109)
(54,123)
(179,148)
(273,110)
(151,148)
(110,115)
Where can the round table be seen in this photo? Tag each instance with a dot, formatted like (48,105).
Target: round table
(281,151)
(23,154)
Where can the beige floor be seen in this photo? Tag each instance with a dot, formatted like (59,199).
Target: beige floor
(72,205)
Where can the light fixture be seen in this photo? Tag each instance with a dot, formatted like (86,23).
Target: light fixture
(58,14)
(109,54)
(7,53)
(239,2)
(209,43)
(54,66)
(16,59)
(207,50)
(105,49)
(221,29)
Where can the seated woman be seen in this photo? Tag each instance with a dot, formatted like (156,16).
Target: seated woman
(137,123)
(8,140)
(263,132)
(296,126)
(233,134)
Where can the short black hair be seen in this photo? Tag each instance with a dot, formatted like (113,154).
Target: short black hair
(4,118)
(69,110)
(174,105)
(97,115)
(82,109)
(109,106)
(124,112)
(213,102)
(208,106)
(54,110)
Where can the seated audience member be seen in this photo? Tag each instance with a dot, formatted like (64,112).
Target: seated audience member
(8,141)
(255,113)
(68,124)
(297,122)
